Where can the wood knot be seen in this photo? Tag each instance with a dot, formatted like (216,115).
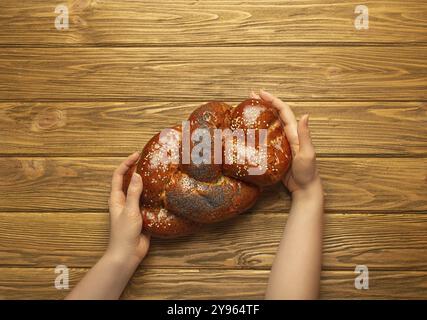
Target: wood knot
(49,119)
(78,21)
(333,72)
(33,169)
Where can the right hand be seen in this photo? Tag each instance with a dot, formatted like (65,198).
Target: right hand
(303,172)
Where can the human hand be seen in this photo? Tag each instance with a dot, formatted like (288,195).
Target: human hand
(303,173)
(126,240)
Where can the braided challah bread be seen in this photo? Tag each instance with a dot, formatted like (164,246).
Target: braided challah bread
(200,172)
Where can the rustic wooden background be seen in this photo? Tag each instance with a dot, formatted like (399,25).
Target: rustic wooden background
(74,103)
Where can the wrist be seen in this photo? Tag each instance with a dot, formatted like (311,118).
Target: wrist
(122,259)
(314,189)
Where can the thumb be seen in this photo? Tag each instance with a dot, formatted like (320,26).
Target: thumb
(305,144)
(134,193)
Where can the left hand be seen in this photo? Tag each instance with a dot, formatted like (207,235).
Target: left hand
(126,240)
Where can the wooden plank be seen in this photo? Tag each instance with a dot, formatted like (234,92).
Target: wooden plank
(211,22)
(382,285)
(82,184)
(38,283)
(117,128)
(79,239)
(209,73)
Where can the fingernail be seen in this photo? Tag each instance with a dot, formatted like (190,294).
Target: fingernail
(137,156)
(136,178)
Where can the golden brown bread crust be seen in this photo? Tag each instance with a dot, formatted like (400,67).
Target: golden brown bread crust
(257,114)
(207,202)
(179,196)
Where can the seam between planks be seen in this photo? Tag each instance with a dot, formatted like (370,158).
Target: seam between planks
(327,212)
(196,100)
(160,268)
(227,45)
(121,155)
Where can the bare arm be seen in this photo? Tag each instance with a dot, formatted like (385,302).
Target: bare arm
(295,273)
(127,246)
(105,280)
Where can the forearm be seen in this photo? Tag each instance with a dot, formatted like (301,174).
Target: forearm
(296,269)
(106,280)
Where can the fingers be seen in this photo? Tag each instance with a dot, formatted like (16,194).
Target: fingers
(253,95)
(134,193)
(117,197)
(305,144)
(285,111)
(287,117)
(117,182)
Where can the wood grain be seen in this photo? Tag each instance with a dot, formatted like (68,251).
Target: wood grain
(210,22)
(250,241)
(38,283)
(209,73)
(82,184)
(117,128)
(74,103)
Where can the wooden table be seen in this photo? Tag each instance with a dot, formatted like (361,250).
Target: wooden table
(74,103)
